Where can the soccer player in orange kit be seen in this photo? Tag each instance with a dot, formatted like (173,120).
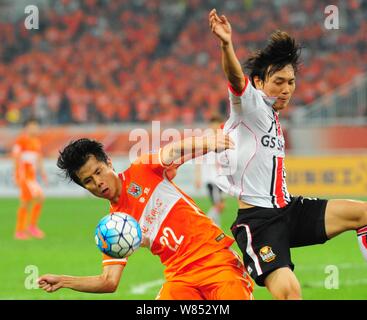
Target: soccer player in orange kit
(28,159)
(199,262)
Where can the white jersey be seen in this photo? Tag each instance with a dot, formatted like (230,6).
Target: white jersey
(254,172)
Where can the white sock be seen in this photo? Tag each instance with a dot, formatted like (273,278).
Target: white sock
(362,240)
(214,215)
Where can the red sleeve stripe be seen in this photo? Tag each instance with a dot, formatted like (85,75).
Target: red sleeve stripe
(238,94)
(277,184)
(362,230)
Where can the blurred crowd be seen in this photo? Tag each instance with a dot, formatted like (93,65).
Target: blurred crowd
(103,61)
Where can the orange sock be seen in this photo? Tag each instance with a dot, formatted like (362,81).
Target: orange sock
(21,219)
(35,214)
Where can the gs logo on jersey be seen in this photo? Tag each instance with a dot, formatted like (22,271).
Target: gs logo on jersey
(267,254)
(134,189)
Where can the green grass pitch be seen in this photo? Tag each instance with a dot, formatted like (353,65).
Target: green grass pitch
(69,249)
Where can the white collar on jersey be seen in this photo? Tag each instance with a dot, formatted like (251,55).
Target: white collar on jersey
(268,100)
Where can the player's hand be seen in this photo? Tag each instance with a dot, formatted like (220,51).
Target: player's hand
(219,142)
(220,27)
(50,282)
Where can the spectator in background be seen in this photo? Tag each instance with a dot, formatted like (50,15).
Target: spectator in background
(107,80)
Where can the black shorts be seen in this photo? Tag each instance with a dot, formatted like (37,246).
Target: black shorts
(215,193)
(265,235)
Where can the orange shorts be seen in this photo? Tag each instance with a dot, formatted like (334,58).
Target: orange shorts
(30,189)
(219,276)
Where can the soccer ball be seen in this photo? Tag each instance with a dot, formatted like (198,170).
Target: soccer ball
(118,235)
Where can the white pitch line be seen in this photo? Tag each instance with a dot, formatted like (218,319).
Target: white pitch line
(346,283)
(339,265)
(144,287)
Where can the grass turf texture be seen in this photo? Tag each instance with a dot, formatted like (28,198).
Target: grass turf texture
(69,249)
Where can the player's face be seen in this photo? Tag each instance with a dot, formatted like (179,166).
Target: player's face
(100,179)
(281,85)
(32,129)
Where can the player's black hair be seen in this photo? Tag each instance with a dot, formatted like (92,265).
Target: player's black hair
(30,120)
(216,118)
(76,154)
(280,51)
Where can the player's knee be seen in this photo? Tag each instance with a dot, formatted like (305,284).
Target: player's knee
(356,217)
(284,288)
(288,291)
(39,199)
(363,218)
(359,220)
(25,204)
(293,292)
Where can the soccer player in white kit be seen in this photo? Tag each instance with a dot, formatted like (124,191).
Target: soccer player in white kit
(270,221)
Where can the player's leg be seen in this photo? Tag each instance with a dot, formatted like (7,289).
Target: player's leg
(38,199)
(263,237)
(343,215)
(229,290)
(22,213)
(21,223)
(228,280)
(314,221)
(283,284)
(177,290)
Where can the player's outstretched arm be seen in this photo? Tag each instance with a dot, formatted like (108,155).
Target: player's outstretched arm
(107,282)
(221,27)
(176,153)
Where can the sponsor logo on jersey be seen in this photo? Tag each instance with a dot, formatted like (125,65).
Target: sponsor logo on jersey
(220,237)
(267,254)
(272,142)
(134,189)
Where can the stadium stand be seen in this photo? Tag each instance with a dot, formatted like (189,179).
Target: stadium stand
(101,61)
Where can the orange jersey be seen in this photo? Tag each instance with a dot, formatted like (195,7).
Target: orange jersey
(173,227)
(27,150)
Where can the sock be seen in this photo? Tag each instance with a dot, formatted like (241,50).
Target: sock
(214,215)
(35,214)
(362,240)
(21,220)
